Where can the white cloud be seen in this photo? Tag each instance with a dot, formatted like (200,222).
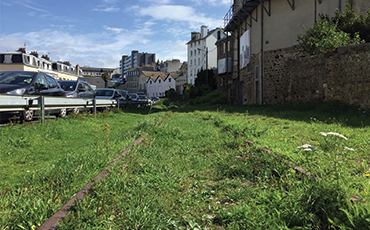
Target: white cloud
(213,2)
(115,30)
(28,4)
(106,9)
(178,13)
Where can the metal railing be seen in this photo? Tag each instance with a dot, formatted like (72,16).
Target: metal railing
(29,102)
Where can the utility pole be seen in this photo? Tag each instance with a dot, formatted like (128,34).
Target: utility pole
(207,65)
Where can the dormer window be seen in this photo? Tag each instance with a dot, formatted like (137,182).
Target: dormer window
(169,79)
(159,80)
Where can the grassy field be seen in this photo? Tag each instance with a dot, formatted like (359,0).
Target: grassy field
(194,169)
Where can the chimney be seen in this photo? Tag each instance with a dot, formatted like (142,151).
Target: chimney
(77,69)
(203,31)
(194,36)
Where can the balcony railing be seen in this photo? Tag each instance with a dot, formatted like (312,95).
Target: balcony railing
(228,16)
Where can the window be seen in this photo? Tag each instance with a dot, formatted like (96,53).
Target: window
(159,80)
(41,80)
(150,82)
(52,82)
(191,53)
(169,79)
(17,58)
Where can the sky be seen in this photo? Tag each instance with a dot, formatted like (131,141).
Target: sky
(97,33)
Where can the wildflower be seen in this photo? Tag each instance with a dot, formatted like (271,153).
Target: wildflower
(333,134)
(347,148)
(367,174)
(307,147)
(233,166)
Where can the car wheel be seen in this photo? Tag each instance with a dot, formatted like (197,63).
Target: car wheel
(27,115)
(76,110)
(63,113)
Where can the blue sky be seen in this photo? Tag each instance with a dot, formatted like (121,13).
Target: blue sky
(97,33)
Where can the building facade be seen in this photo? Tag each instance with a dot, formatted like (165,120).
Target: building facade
(158,83)
(265,34)
(169,66)
(224,66)
(201,51)
(136,59)
(97,71)
(135,81)
(21,60)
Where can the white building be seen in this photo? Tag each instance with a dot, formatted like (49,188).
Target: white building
(202,51)
(23,61)
(158,83)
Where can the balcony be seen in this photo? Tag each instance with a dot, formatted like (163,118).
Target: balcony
(239,11)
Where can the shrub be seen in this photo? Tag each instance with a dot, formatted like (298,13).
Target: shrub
(325,36)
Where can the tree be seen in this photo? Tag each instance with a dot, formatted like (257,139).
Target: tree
(105,76)
(202,79)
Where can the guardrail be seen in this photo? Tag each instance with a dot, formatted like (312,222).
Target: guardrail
(29,102)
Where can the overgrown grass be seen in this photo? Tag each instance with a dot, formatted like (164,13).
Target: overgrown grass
(43,166)
(195,170)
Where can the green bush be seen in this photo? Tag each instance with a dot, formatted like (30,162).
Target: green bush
(325,36)
(354,24)
(172,95)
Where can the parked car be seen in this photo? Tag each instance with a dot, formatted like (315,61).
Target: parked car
(133,96)
(30,83)
(124,94)
(154,100)
(143,99)
(108,93)
(78,89)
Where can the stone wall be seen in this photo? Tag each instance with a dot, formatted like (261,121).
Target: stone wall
(343,75)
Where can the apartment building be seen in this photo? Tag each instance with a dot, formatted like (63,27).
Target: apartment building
(136,59)
(21,60)
(202,51)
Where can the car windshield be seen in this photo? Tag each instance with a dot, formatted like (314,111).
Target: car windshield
(16,78)
(123,92)
(104,92)
(68,85)
(133,96)
(141,96)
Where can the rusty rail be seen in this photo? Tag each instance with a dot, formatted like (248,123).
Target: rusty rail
(52,222)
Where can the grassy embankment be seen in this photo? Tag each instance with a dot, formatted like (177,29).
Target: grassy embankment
(194,169)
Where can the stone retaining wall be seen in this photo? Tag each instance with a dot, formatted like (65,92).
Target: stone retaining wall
(343,75)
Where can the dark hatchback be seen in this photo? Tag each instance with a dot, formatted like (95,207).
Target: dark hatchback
(29,83)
